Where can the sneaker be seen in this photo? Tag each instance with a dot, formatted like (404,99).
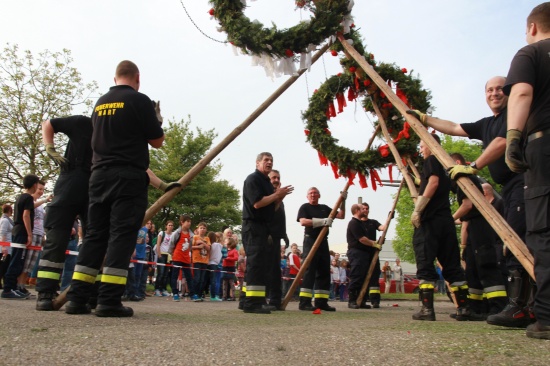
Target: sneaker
(165,293)
(12,295)
(215,298)
(157,293)
(539,331)
(22,294)
(23,291)
(176,298)
(196,298)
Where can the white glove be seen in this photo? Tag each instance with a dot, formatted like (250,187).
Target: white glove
(321,222)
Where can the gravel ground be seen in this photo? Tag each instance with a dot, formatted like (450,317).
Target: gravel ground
(166,332)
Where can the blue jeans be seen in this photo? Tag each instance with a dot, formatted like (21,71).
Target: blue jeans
(198,278)
(215,276)
(68,266)
(140,276)
(186,269)
(162,273)
(17,263)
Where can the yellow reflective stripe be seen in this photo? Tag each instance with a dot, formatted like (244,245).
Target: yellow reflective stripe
(374,291)
(98,277)
(475,297)
(427,286)
(306,294)
(321,296)
(50,275)
(116,280)
(255,293)
(83,277)
(493,294)
(244,289)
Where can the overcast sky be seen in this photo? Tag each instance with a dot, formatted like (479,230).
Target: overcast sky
(454,46)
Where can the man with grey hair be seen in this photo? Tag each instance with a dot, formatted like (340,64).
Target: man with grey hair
(260,201)
(492,132)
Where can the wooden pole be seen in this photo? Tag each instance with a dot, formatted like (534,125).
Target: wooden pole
(377,252)
(508,236)
(211,155)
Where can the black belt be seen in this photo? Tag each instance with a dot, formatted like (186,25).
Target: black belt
(538,134)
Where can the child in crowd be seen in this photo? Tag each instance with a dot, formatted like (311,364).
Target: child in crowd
(161,248)
(180,250)
(201,251)
(241,267)
(343,280)
(334,279)
(228,269)
(23,220)
(213,265)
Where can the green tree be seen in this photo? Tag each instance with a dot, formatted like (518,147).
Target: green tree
(402,243)
(207,198)
(33,89)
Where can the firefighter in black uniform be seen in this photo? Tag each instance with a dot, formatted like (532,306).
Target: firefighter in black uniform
(528,86)
(70,199)
(277,228)
(371,226)
(435,238)
(361,250)
(259,203)
(482,270)
(492,132)
(124,123)
(313,216)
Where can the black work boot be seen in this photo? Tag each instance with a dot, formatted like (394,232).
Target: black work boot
(464,312)
(116,311)
(514,314)
(305,304)
(44,302)
(352,300)
(73,307)
(323,305)
(427,311)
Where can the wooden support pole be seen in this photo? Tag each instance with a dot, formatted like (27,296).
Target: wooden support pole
(377,252)
(212,154)
(508,236)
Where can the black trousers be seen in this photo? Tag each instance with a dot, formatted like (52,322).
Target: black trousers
(317,276)
(118,200)
(537,209)
(255,240)
(436,239)
(514,214)
(70,199)
(360,261)
(274,283)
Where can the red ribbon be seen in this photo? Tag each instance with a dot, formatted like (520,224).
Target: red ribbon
(351,95)
(406,128)
(331,109)
(390,172)
(322,159)
(351,176)
(401,95)
(375,178)
(356,83)
(341,102)
(327,131)
(306,132)
(335,170)
(362,181)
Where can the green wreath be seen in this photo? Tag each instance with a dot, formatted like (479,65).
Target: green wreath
(321,108)
(252,37)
